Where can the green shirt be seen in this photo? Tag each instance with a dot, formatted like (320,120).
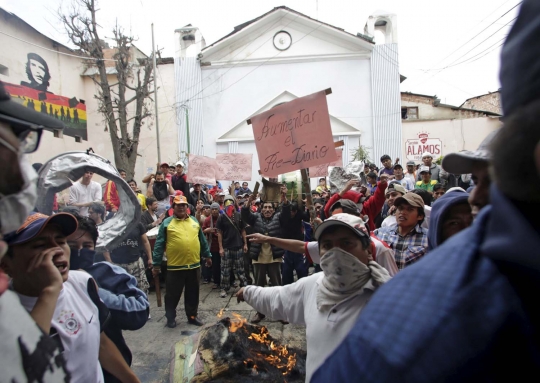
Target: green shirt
(428,187)
(184,242)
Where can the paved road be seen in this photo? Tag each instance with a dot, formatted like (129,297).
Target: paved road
(153,344)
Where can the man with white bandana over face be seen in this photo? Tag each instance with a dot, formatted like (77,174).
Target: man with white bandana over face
(327,303)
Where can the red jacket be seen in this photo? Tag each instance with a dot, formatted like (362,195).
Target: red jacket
(372,207)
(110,196)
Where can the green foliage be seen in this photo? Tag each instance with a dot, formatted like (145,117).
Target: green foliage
(361,154)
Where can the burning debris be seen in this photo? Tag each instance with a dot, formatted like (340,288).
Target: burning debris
(235,351)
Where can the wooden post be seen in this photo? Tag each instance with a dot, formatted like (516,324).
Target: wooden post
(158,290)
(309,200)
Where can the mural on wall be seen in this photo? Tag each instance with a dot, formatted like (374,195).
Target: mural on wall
(34,94)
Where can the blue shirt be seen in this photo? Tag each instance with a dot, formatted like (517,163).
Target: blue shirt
(455,316)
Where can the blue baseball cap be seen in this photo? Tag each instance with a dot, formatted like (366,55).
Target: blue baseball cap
(35,223)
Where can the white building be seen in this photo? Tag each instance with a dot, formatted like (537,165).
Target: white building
(278,57)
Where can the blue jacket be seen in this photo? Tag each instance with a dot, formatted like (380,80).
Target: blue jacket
(129,306)
(438,211)
(467,312)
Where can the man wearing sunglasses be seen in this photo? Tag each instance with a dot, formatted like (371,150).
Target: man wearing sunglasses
(28,354)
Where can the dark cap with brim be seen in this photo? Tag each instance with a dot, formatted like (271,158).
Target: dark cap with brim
(347,206)
(464,161)
(36,223)
(411,199)
(16,113)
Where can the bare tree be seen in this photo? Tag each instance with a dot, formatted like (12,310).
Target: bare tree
(133,80)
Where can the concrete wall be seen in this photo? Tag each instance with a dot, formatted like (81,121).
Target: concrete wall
(227,103)
(19,44)
(455,135)
(67,80)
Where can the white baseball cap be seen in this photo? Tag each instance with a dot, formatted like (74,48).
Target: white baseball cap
(427,154)
(424,169)
(180,163)
(356,224)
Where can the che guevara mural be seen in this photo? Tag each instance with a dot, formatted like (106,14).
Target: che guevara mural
(34,93)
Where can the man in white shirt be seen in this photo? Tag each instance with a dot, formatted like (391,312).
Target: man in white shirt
(84,192)
(327,303)
(61,301)
(411,171)
(406,182)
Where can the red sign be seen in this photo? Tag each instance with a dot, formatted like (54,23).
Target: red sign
(295,135)
(416,147)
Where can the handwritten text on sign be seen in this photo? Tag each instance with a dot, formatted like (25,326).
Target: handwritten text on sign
(234,166)
(322,170)
(202,170)
(294,135)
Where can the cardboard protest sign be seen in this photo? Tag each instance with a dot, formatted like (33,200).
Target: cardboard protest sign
(322,170)
(234,166)
(202,170)
(294,135)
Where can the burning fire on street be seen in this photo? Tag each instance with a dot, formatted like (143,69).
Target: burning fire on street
(236,350)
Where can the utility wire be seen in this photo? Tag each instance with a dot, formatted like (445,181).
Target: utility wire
(451,65)
(481,42)
(472,57)
(475,36)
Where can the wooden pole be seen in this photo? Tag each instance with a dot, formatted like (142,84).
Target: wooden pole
(158,290)
(309,199)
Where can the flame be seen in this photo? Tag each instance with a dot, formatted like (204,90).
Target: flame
(280,357)
(237,322)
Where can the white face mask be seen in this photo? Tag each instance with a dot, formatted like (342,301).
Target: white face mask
(343,272)
(345,276)
(14,208)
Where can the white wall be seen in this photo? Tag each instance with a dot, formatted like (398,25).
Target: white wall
(456,135)
(66,80)
(229,100)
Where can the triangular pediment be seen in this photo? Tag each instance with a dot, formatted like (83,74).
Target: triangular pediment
(253,41)
(244,132)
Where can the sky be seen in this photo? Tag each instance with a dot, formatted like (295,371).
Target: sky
(449,49)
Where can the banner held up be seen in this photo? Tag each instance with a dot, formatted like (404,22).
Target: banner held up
(234,166)
(202,170)
(294,135)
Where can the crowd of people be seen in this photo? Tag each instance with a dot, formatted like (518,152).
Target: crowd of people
(428,274)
